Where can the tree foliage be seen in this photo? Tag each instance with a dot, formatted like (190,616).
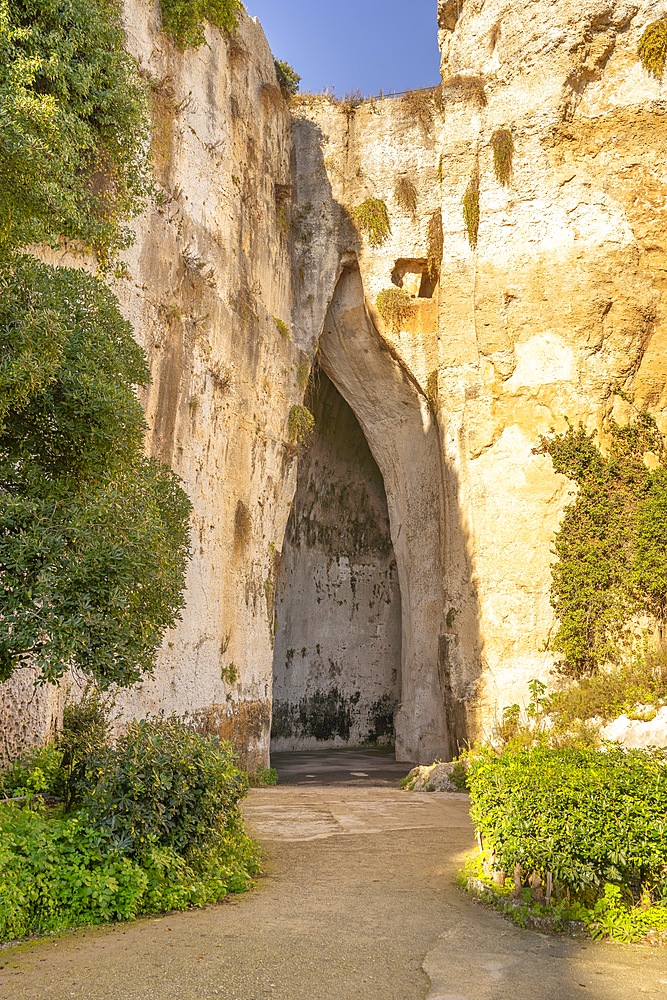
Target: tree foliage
(74,125)
(93,535)
(184,19)
(612,544)
(288,78)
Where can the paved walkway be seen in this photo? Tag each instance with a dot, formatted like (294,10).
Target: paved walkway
(357,904)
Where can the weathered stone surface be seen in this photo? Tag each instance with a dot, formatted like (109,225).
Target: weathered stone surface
(337,660)
(562,299)
(637,733)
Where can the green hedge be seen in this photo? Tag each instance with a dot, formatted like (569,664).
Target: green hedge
(590,817)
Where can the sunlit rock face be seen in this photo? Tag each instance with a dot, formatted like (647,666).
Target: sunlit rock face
(561,299)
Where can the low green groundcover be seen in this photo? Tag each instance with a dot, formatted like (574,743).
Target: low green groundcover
(592,821)
(159,829)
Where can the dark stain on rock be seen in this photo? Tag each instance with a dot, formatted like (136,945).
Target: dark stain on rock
(245,724)
(324,715)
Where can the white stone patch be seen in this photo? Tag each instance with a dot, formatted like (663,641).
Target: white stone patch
(544,359)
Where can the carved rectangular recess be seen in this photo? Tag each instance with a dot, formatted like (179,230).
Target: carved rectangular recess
(412,274)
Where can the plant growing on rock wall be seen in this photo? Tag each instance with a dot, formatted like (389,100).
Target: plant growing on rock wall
(372,218)
(75,126)
(503,153)
(406,194)
(396,307)
(300,424)
(435,246)
(184,20)
(612,544)
(471,208)
(653,48)
(93,535)
(288,78)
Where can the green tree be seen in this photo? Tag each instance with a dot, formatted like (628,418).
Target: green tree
(93,535)
(74,125)
(612,544)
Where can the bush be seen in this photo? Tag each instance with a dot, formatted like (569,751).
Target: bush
(372,219)
(164,785)
(288,78)
(93,535)
(84,733)
(611,545)
(75,125)
(184,19)
(589,817)
(160,828)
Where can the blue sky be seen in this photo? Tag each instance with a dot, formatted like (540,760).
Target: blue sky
(349,45)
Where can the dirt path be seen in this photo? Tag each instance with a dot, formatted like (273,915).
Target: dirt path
(357,904)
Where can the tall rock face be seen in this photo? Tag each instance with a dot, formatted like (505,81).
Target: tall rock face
(209,277)
(511,322)
(537,317)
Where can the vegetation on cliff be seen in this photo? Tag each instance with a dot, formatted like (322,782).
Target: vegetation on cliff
(653,48)
(94,536)
(74,137)
(611,568)
(372,219)
(395,307)
(185,20)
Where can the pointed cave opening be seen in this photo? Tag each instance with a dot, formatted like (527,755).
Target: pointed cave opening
(337,654)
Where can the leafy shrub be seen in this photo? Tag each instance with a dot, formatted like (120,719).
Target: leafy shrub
(471,209)
(503,154)
(85,731)
(611,546)
(93,536)
(300,424)
(613,691)
(163,784)
(288,78)
(406,194)
(184,19)
(57,873)
(653,48)
(75,125)
(589,817)
(396,307)
(38,772)
(372,219)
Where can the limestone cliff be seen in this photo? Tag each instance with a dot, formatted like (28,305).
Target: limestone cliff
(562,298)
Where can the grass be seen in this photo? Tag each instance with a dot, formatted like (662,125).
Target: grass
(406,194)
(613,692)
(503,153)
(395,307)
(435,246)
(421,105)
(461,87)
(281,327)
(652,49)
(471,208)
(372,219)
(300,424)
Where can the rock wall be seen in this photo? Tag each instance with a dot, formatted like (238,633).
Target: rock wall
(337,660)
(209,275)
(561,299)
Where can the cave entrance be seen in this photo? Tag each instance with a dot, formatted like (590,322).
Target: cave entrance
(337,655)
(369,408)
